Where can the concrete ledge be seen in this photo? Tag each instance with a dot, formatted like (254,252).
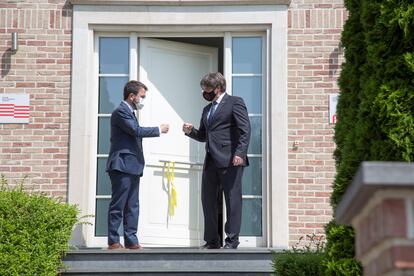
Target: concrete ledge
(180,2)
(371,177)
(169,261)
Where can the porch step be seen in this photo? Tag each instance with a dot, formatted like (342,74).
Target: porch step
(171,261)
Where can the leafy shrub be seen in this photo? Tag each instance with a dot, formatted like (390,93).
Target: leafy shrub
(302,260)
(375,108)
(340,251)
(34,231)
(291,263)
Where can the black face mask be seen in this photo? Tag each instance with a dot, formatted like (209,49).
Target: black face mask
(209,96)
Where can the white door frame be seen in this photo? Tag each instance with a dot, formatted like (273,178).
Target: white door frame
(147,21)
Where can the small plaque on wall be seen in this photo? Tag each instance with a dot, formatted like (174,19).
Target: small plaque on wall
(333,101)
(14,109)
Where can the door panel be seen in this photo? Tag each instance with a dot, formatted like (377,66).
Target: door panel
(172,72)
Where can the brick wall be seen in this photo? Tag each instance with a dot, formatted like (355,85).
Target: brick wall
(41,68)
(314,59)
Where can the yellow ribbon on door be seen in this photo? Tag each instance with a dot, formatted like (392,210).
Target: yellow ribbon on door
(172,193)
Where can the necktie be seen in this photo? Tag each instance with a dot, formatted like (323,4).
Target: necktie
(212,110)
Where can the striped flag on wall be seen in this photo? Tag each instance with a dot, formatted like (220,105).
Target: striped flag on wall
(14,108)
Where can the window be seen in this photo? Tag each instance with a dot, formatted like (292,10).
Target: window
(247,79)
(113,74)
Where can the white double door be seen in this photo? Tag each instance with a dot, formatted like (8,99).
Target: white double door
(172,72)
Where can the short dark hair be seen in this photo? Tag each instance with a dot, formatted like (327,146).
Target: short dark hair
(213,80)
(133,87)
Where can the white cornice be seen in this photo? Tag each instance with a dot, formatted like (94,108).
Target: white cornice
(180,2)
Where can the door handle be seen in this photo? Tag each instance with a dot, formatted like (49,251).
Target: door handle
(191,164)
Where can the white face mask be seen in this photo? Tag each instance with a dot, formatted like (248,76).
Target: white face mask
(140,104)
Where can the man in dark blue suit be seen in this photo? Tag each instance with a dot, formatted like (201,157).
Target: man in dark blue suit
(126,164)
(225,128)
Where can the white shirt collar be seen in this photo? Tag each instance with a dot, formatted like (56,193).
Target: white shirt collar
(220,98)
(129,106)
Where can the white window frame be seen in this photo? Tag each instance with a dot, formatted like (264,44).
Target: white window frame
(90,231)
(185,21)
(252,241)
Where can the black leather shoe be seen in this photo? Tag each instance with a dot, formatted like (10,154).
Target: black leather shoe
(210,246)
(233,245)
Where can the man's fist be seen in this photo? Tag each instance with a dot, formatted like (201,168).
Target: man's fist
(187,128)
(237,161)
(164,128)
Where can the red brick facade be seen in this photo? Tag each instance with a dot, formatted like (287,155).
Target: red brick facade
(383,244)
(314,61)
(42,68)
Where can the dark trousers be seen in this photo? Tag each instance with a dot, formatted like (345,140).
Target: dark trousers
(214,179)
(124,207)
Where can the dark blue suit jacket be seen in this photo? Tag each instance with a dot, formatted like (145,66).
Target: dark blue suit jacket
(228,133)
(126,154)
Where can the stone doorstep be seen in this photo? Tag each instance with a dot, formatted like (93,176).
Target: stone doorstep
(171,260)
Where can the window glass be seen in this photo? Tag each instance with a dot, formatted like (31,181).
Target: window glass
(247,79)
(110,93)
(114,55)
(247,55)
(104,133)
(250,89)
(103,186)
(101,218)
(252,177)
(113,60)
(251,217)
(255,146)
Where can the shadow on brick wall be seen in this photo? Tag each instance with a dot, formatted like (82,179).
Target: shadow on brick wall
(333,60)
(6,62)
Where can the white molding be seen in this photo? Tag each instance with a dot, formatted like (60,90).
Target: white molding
(227,67)
(133,57)
(266,141)
(141,18)
(180,2)
(278,173)
(178,20)
(91,119)
(81,130)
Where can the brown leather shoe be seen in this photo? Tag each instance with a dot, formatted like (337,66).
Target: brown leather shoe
(116,245)
(134,246)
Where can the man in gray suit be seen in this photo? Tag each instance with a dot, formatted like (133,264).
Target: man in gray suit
(225,128)
(126,164)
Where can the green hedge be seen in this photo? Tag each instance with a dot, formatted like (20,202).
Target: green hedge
(304,259)
(340,251)
(34,232)
(291,263)
(376,104)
